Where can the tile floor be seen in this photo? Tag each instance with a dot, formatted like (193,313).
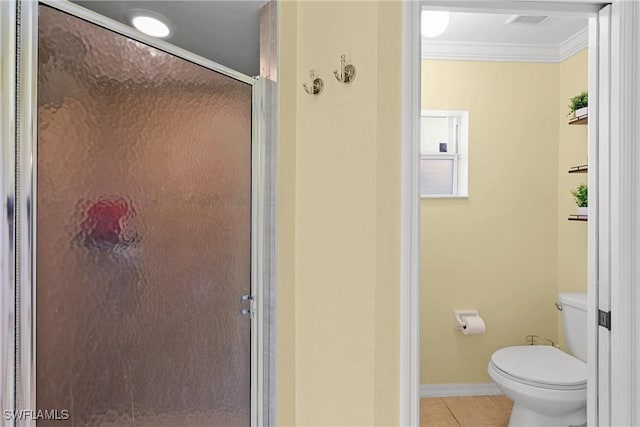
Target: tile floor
(465,411)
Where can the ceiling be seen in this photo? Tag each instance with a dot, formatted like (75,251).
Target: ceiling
(491,28)
(227,32)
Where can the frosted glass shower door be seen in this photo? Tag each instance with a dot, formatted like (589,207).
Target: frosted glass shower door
(143,233)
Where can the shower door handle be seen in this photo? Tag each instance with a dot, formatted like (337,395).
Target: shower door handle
(248,311)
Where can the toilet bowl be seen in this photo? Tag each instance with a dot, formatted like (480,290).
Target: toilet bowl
(548,386)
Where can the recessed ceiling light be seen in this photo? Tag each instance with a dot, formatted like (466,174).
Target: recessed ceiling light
(150,23)
(434,23)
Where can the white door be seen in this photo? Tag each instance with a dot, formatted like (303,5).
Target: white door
(599,400)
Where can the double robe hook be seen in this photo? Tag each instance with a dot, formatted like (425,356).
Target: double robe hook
(346,75)
(316,85)
(347,71)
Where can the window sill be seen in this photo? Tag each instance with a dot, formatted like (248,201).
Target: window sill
(443,196)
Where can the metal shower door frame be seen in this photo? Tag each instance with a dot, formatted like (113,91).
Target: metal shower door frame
(8,197)
(18,356)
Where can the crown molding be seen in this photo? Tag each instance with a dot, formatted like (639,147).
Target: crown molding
(506,52)
(553,7)
(475,51)
(574,44)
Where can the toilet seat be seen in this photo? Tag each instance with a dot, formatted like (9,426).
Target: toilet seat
(541,366)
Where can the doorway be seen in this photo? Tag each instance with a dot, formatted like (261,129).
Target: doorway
(598,42)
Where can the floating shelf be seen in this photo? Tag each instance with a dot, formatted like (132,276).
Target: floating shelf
(579,120)
(578,218)
(579,169)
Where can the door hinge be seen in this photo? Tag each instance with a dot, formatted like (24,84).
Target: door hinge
(604,319)
(248,311)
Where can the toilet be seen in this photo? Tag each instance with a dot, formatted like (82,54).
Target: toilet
(548,386)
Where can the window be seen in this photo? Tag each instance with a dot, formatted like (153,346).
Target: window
(443,153)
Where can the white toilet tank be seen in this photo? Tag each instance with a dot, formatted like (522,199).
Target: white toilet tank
(574,320)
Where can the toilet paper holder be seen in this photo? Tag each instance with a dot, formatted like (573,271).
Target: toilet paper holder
(459,314)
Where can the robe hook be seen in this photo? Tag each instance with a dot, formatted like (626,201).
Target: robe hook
(316,85)
(347,71)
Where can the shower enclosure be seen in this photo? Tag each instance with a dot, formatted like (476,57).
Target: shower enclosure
(138,228)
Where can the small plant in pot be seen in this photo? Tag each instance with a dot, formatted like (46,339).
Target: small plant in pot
(581,196)
(578,105)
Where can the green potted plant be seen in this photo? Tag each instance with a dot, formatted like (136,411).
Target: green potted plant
(578,105)
(581,196)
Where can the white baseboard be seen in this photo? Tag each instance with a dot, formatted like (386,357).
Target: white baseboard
(448,390)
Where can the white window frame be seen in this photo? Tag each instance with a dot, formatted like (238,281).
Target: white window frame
(460,157)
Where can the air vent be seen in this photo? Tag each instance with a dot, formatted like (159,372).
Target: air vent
(526,19)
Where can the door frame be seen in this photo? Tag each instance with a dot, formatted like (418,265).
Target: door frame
(19,113)
(8,197)
(622,248)
(625,213)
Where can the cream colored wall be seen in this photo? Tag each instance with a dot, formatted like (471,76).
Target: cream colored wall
(505,231)
(497,250)
(339,216)
(572,149)
(338,226)
(388,120)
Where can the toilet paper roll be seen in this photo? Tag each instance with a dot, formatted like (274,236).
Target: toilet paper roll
(473,325)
